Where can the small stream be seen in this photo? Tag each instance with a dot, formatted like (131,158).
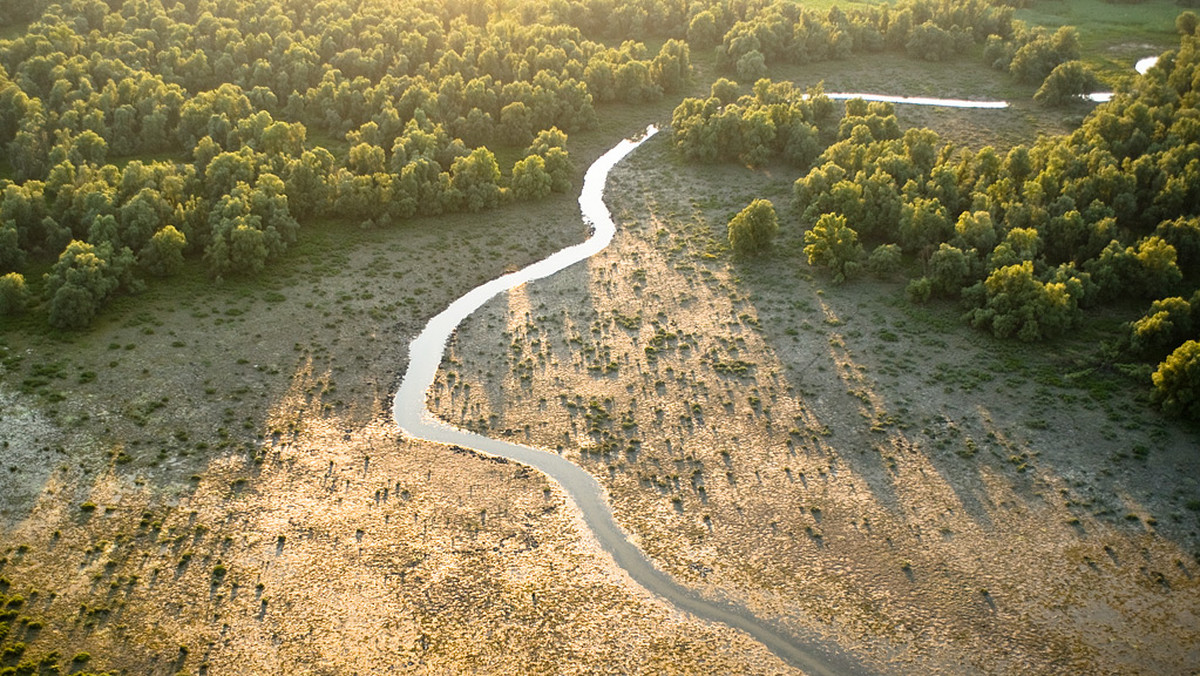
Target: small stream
(409,410)
(808,653)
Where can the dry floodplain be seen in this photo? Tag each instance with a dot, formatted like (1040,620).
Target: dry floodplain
(837,460)
(213,485)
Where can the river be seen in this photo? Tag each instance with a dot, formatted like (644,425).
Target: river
(808,653)
(409,410)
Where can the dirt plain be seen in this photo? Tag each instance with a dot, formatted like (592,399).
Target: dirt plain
(832,457)
(837,459)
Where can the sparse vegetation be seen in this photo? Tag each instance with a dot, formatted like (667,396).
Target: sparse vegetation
(206,468)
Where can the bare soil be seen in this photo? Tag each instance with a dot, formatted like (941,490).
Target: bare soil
(839,460)
(207,482)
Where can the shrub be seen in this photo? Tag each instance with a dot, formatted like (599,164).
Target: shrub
(833,244)
(752,229)
(1177,382)
(14,295)
(884,260)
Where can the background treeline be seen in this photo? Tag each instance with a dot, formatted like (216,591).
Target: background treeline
(776,122)
(1032,238)
(139,134)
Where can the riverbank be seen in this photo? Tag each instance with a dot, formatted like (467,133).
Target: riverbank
(245,505)
(837,459)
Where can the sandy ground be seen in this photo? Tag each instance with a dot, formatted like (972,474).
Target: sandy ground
(831,457)
(211,486)
(839,460)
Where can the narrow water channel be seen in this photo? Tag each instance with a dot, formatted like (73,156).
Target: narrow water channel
(409,410)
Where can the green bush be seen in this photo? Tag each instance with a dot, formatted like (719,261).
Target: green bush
(1177,382)
(753,228)
(14,295)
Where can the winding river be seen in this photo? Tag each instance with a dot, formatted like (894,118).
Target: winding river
(807,653)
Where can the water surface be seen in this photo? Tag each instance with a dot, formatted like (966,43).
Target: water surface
(409,410)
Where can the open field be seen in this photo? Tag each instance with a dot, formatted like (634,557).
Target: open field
(206,480)
(835,458)
(1112,35)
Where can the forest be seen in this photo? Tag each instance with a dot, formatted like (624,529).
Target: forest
(1027,240)
(143,135)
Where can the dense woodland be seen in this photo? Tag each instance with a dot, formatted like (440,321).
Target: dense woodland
(140,135)
(143,134)
(1033,238)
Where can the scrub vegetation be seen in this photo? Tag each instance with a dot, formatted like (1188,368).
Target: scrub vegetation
(919,382)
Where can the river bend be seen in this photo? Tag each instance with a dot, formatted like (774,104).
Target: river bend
(409,410)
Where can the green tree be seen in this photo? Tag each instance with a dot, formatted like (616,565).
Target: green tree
(1158,272)
(885,260)
(702,31)
(163,254)
(752,65)
(923,223)
(14,295)
(1186,23)
(724,90)
(82,280)
(753,228)
(975,230)
(1068,83)
(1177,382)
(949,270)
(530,181)
(834,245)
(11,255)
(1017,304)
(476,178)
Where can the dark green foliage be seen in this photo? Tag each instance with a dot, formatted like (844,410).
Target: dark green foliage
(475,180)
(930,42)
(1168,323)
(949,270)
(1035,52)
(833,245)
(789,32)
(415,91)
(1069,82)
(919,290)
(1186,23)
(753,228)
(1017,304)
(14,295)
(163,254)
(550,145)
(775,121)
(530,181)
(82,280)
(885,260)
(1177,382)
(11,255)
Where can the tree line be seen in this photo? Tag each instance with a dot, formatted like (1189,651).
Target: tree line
(1032,238)
(142,134)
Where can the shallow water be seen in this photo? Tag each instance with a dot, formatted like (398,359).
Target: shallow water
(919,100)
(1143,66)
(409,410)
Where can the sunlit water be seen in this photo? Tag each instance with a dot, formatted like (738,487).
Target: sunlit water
(919,100)
(1143,66)
(409,410)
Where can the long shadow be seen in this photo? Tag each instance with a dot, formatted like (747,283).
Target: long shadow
(806,652)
